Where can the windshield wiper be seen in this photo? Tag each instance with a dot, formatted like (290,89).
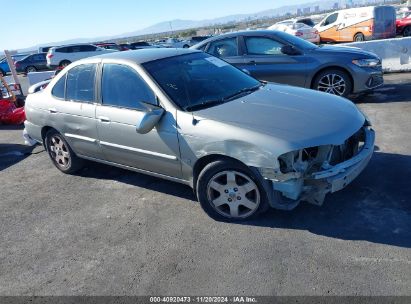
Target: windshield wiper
(209,103)
(204,104)
(242,91)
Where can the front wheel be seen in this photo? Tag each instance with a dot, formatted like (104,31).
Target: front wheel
(64,63)
(359,37)
(230,191)
(31,69)
(61,153)
(334,82)
(407,31)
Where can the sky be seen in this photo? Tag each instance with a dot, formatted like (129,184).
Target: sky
(26,23)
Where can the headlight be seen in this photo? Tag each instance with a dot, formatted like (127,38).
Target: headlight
(367,62)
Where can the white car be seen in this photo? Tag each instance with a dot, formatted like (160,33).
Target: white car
(175,43)
(298,29)
(62,56)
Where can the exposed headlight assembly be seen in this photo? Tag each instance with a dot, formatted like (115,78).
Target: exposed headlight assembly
(367,62)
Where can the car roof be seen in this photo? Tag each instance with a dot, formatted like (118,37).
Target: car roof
(145,55)
(239,33)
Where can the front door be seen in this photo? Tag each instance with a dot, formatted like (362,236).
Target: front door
(265,61)
(123,93)
(329,29)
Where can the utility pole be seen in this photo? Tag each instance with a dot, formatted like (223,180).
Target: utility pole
(13,70)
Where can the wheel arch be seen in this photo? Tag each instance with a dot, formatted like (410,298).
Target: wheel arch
(332,67)
(202,162)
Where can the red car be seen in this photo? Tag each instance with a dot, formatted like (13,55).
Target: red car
(404,25)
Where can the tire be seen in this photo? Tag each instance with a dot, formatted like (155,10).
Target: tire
(238,191)
(334,82)
(61,153)
(359,37)
(407,31)
(31,69)
(64,63)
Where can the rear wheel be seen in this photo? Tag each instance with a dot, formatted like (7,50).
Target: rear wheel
(407,31)
(31,69)
(359,37)
(228,190)
(61,153)
(64,63)
(334,82)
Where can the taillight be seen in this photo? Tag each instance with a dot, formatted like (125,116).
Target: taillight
(50,56)
(298,34)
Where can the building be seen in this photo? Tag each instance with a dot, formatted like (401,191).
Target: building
(317,9)
(299,12)
(336,6)
(306,10)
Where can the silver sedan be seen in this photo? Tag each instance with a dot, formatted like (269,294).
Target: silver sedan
(188,117)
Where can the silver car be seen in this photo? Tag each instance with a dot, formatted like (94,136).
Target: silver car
(189,117)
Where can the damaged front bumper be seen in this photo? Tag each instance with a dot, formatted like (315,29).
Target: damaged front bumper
(317,185)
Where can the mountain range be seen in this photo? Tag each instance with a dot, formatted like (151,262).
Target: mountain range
(176,25)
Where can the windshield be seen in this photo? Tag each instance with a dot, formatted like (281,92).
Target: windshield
(198,80)
(298,42)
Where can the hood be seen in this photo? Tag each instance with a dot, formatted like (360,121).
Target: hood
(345,50)
(300,117)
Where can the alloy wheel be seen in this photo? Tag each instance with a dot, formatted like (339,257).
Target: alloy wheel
(59,152)
(233,194)
(333,84)
(31,69)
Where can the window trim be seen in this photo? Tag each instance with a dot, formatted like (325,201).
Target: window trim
(94,101)
(100,88)
(239,47)
(267,37)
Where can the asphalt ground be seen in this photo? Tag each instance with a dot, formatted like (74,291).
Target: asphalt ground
(107,231)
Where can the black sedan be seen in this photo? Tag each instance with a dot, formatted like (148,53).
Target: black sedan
(32,63)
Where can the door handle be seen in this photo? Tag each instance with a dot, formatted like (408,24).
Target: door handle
(104,119)
(53,110)
(252,62)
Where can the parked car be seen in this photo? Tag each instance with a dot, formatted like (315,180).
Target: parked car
(142,45)
(32,63)
(111,46)
(175,43)
(280,57)
(404,24)
(197,39)
(358,24)
(62,56)
(189,117)
(297,29)
(4,67)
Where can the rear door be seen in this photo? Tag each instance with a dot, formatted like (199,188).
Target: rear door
(227,49)
(123,94)
(265,61)
(73,109)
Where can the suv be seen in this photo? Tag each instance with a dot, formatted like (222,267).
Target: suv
(64,55)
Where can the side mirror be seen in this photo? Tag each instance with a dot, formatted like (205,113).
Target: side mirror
(246,71)
(149,120)
(289,50)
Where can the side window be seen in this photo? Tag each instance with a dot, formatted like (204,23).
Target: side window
(80,83)
(263,46)
(331,19)
(123,87)
(224,47)
(59,88)
(74,49)
(203,47)
(87,48)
